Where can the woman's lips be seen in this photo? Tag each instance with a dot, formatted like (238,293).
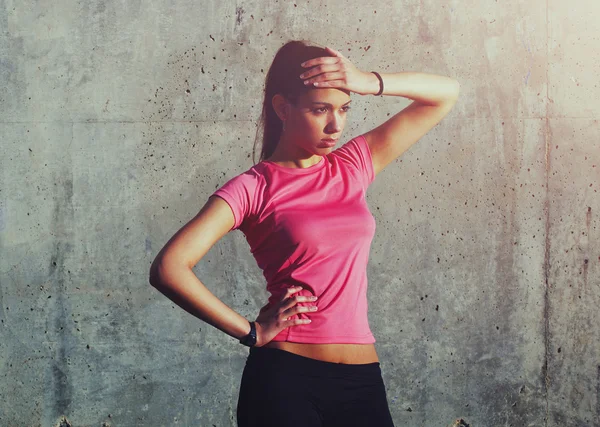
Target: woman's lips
(329,142)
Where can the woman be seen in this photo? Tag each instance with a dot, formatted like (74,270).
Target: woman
(302,209)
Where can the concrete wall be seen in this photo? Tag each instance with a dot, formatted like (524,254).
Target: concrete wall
(119,118)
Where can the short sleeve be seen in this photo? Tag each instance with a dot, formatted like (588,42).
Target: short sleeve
(239,192)
(356,152)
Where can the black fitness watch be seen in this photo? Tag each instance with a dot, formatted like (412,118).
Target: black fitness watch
(250,339)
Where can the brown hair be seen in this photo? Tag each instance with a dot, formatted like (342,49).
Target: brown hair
(283,77)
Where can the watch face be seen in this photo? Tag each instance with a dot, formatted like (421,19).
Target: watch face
(249,340)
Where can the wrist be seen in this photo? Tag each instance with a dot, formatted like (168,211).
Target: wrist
(258,342)
(373,84)
(248,328)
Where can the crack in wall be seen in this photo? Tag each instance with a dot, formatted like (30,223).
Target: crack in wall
(547,237)
(546,284)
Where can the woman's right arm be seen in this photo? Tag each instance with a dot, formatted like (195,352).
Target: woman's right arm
(171,272)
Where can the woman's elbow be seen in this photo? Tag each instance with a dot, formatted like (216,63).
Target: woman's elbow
(154,273)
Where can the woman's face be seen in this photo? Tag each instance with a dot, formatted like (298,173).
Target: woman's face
(320,113)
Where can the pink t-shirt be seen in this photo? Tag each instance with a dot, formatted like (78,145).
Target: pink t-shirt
(312,227)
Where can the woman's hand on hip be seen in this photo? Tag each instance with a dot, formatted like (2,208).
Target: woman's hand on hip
(280,316)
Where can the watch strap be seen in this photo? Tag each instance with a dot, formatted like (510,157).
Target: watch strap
(250,339)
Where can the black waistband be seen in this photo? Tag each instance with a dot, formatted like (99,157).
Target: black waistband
(284,360)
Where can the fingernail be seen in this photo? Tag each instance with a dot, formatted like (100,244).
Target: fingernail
(303,64)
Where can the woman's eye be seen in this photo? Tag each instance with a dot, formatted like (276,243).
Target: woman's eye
(323,109)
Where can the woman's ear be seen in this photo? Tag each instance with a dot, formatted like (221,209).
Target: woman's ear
(280,106)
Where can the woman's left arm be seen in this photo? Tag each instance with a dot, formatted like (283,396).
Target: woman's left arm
(433,96)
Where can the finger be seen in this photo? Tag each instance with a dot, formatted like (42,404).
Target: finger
(318,70)
(335,52)
(294,315)
(294,302)
(298,309)
(324,79)
(320,60)
(298,321)
(330,83)
(289,302)
(289,292)
(293,289)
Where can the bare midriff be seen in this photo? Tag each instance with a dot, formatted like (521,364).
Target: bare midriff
(337,353)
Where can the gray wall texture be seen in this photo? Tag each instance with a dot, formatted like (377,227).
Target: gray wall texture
(119,118)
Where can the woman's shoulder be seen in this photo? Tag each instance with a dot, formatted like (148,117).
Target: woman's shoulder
(250,178)
(356,154)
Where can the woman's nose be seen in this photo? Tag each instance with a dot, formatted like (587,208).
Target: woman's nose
(335,125)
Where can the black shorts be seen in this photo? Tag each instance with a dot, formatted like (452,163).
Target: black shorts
(283,389)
